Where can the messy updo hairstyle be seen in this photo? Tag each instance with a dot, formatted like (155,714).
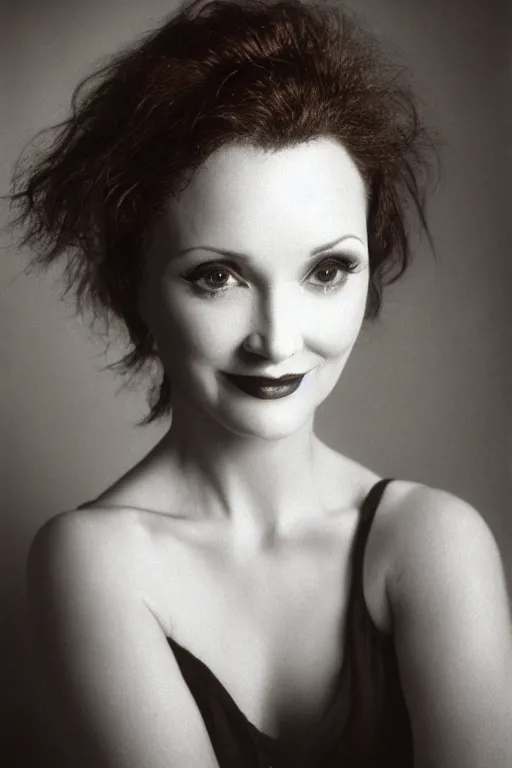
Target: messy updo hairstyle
(269,73)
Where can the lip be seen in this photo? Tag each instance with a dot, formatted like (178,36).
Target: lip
(265,388)
(271,379)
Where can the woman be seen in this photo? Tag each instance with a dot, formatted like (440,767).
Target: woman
(234,191)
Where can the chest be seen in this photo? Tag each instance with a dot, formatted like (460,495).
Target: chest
(272,634)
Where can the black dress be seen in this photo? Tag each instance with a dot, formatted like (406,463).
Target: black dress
(366,723)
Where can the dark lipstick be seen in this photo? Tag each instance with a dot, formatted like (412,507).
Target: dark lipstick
(265,388)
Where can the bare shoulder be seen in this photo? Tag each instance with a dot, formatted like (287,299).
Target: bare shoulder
(451,617)
(99,536)
(101,550)
(414,524)
(421,516)
(102,653)
(429,531)
(111,546)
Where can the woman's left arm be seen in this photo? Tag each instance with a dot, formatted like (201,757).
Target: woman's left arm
(452,633)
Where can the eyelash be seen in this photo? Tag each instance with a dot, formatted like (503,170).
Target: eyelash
(344,263)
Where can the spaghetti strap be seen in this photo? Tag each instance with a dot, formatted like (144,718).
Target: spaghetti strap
(368,510)
(358,610)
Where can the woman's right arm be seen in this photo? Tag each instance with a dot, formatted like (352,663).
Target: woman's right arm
(111,679)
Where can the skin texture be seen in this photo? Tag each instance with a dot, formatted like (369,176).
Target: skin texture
(256,461)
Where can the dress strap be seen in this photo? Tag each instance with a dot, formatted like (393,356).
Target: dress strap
(368,510)
(370,505)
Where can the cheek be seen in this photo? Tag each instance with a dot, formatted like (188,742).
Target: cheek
(191,329)
(338,320)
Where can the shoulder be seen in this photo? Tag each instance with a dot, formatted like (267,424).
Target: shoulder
(96,636)
(96,545)
(452,627)
(421,532)
(423,527)
(94,527)
(123,553)
(446,577)
(429,526)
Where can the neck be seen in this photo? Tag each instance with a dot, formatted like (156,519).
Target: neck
(260,487)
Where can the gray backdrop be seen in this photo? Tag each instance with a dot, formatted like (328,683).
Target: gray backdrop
(425,395)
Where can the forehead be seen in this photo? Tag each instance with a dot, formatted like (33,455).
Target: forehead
(308,192)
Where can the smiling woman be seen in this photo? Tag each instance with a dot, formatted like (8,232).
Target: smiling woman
(294,313)
(234,190)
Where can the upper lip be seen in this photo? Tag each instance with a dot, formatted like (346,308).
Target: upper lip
(287,377)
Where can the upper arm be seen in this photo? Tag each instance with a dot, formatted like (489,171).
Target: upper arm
(112,680)
(452,633)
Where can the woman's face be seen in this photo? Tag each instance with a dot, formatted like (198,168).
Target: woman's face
(260,268)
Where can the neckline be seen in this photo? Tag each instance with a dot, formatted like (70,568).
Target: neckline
(313,733)
(309,735)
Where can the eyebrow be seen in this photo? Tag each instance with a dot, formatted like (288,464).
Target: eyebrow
(246,259)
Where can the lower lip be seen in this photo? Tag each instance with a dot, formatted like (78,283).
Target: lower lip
(261,389)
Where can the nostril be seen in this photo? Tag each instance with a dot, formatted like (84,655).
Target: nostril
(254,343)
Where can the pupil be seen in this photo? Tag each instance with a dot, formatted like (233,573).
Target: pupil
(327,271)
(217,274)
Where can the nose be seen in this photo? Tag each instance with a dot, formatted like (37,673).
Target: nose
(276,333)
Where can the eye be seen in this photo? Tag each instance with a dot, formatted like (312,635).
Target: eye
(210,278)
(333,272)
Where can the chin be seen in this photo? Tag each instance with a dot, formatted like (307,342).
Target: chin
(267,419)
(266,427)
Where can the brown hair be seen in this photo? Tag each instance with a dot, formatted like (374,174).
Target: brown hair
(272,73)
